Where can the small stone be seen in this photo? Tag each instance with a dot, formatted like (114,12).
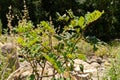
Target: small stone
(84,76)
(8,48)
(107,63)
(99,60)
(95,65)
(91,61)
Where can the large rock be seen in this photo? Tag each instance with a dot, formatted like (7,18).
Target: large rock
(9,51)
(90,70)
(8,48)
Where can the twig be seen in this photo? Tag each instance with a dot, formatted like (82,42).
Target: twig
(38,61)
(45,47)
(76,43)
(43,69)
(49,75)
(50,41)
(50,36)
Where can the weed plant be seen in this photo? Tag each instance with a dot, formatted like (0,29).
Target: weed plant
(113,72)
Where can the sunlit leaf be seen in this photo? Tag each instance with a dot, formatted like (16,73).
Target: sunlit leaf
(70,56)
(81,22)
(81,67)
(81,56)
(55,64)
(91,17)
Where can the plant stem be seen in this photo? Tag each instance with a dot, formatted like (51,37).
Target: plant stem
(43,69)
(48,75)
(76,43)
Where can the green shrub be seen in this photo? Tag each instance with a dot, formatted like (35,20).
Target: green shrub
(38,48)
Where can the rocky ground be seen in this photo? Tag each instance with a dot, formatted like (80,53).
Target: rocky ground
(94,69)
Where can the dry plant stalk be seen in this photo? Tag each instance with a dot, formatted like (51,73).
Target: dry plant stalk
(10,17)
(25,11)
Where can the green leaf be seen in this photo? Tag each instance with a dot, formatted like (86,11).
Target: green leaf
(81,67)
(58,37)
(70,56)
(81,56)
(21,41)
(91,17)
(81,22)
(24,26)
(55,64)
(32,77)
(70,13)
(46,26)
(30,43)
(73,23)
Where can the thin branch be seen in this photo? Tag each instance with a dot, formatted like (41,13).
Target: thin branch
(76,43)
(50,41)
(49,75)
(50,36)
(39,63)
(45,47)
(43,69)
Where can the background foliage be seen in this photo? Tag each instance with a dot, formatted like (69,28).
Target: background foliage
(106,28)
